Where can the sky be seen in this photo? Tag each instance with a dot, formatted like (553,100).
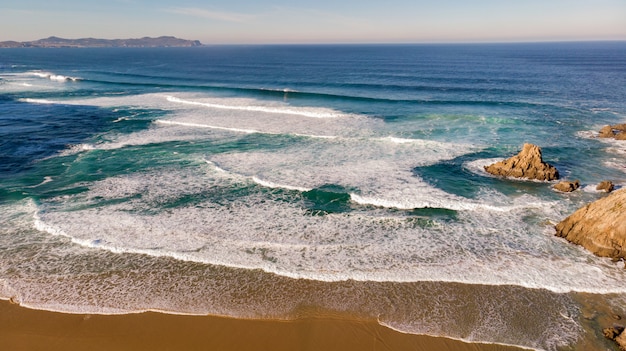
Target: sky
(322,21)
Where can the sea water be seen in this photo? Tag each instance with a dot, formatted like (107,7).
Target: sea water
(250,181)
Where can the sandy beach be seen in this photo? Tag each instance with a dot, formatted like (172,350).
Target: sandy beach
(27,329)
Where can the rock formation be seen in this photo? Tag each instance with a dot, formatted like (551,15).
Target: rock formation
(617,131)
(567,186)
(600,226)
(616,333)
(606,186)
(527,164)
(621,341)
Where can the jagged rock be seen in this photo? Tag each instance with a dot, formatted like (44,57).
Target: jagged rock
(617,131)
(527,164)
(616,333)
(621,341)
(606,185)
(612,332)
(600,226)
(606,132)
(567,186)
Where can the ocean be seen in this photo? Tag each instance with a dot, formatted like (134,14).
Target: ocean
(272,181)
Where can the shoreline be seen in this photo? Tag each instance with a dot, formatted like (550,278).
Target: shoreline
(23,328)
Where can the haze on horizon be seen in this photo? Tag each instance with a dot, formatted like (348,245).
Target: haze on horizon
(323,21)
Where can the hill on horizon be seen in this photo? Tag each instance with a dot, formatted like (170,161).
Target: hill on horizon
(56,42)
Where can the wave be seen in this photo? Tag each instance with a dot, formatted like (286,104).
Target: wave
(38,101)
(53,76)
(280,93)
(180,287)
(406,330)
(280,186)
(197,125)
(267,256)
(306,112)
(363,246)
(449,203)
(430,199)
(78,148)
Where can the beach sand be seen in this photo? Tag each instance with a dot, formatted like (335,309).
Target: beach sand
(27,329)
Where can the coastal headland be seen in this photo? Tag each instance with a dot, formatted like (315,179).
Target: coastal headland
(145,42)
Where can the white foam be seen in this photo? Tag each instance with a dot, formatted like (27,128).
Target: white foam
(379,169)
(587,134)
(35,82)
(410,330)
(274,109)
(238,115)
(486,247)
(198,125)
(53,76)
(478,166)
(46,179)
(37,101)
(238,130)
(592,188)
(443,202)
(77,148)
(279,186)
(401,140)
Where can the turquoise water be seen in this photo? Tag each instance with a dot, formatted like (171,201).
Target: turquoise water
(249,181)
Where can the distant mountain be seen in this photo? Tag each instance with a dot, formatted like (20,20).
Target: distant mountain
(146,42)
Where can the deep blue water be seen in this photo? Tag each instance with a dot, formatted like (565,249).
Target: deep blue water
(327,163)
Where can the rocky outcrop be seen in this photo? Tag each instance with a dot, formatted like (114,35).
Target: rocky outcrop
(527,164)
(621,341)
(616,333)
(567,186)
(600,226)
(606,186)
(617,131)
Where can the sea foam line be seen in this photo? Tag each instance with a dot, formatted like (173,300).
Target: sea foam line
(37,101)
(268,184)
(240,130)
(266,109)
(468,341)
(323,276)
(197,125)
(335,277)
(455,206)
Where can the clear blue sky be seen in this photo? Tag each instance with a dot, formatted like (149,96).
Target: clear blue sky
(322,21)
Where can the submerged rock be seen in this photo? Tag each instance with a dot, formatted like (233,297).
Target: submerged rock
(527,164)
(606,185)
(567,186)
(600,226)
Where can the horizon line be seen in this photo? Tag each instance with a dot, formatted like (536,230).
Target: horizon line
(424,42)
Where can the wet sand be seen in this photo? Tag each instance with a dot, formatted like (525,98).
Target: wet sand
(27,329)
